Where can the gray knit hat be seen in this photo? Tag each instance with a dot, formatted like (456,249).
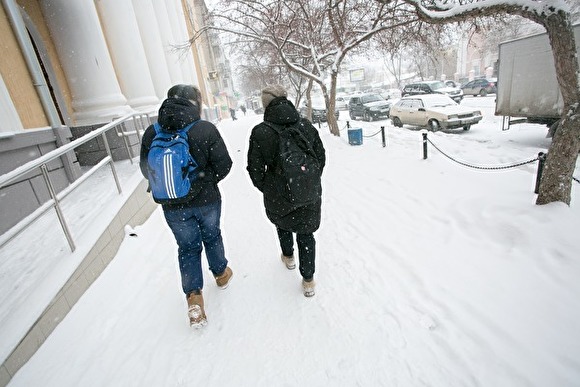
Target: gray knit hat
(271,92)
(189,92)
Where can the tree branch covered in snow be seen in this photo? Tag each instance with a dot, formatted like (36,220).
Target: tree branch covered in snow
(457,10)
(555,16)
(311,37)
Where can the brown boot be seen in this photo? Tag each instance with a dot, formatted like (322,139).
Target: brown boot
(289,261)
(196,311)
(223,280)
(308,287)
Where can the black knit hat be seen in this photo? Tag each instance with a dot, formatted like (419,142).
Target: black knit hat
(189,92)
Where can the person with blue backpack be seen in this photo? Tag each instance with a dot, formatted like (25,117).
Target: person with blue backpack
(184,158)
(285,162)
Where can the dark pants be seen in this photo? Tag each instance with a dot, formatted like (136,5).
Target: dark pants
(306,250)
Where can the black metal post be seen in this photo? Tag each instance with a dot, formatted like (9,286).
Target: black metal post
(424,145)
(383,136)
(348,124)
(541,161)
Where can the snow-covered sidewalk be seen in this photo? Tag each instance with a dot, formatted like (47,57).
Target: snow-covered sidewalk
(429,274)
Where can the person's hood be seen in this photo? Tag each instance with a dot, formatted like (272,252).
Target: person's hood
(177,113)
(281,111)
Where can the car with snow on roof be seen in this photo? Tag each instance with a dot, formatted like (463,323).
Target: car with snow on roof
(434,111)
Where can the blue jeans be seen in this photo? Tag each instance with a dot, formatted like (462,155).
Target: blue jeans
(191,227)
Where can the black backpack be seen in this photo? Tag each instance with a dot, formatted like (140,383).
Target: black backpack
(298,164)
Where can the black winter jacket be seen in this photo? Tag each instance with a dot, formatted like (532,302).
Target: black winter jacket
(205,145)
(262,156)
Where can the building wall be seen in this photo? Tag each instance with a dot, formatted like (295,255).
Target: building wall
(17,78)
(34,12)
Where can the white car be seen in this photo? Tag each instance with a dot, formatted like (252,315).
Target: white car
(432,87)
(341,103)
(434,111)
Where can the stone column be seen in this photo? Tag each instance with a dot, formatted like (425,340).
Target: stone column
(183,16)
(166,33)
(87,65)
(188,64)
(129,59)
(151,38)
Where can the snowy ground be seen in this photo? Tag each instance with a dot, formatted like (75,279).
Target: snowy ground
(429,274)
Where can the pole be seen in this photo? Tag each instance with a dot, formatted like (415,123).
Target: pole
(383,136)
(541,161)
(424,145)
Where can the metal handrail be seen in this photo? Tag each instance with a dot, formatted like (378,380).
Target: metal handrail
(42,162)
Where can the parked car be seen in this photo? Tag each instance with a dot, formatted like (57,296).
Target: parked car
(433,87)
(318,110)
(434,111)
(341,103)
(368,106)
(450,83)
(391,94)
(480,87)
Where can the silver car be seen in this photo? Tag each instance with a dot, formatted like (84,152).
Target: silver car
(434,111)
(481,87)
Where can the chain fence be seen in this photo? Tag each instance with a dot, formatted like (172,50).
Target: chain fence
(498,167)
(541,156)
(372,135)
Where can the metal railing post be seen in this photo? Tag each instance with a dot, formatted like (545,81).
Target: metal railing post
(125,136)
(111,163)
(57,208)
(424,145)
(541,161)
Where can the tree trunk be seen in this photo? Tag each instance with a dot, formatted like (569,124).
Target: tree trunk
(556,181)
(331,103)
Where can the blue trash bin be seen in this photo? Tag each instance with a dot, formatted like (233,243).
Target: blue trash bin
(355,136)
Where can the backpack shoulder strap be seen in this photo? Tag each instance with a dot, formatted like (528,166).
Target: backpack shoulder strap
(293,131)
(183,131)
(186,129)
(276,128)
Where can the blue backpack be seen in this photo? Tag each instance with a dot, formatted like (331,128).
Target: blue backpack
(171,166)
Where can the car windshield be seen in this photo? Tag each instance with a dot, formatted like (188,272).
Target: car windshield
(437,85)
(371,98)
(439,101)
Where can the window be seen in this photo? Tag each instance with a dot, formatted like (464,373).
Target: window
(405,104)
(416,103)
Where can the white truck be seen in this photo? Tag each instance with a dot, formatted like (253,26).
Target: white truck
(527,89)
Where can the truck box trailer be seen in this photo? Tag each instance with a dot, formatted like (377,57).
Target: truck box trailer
(527,86)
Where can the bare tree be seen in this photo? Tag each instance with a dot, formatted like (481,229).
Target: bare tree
(311,37)
(556,183)
(418,47)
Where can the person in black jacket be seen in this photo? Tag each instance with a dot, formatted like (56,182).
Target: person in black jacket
(288,218)
(195,223)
